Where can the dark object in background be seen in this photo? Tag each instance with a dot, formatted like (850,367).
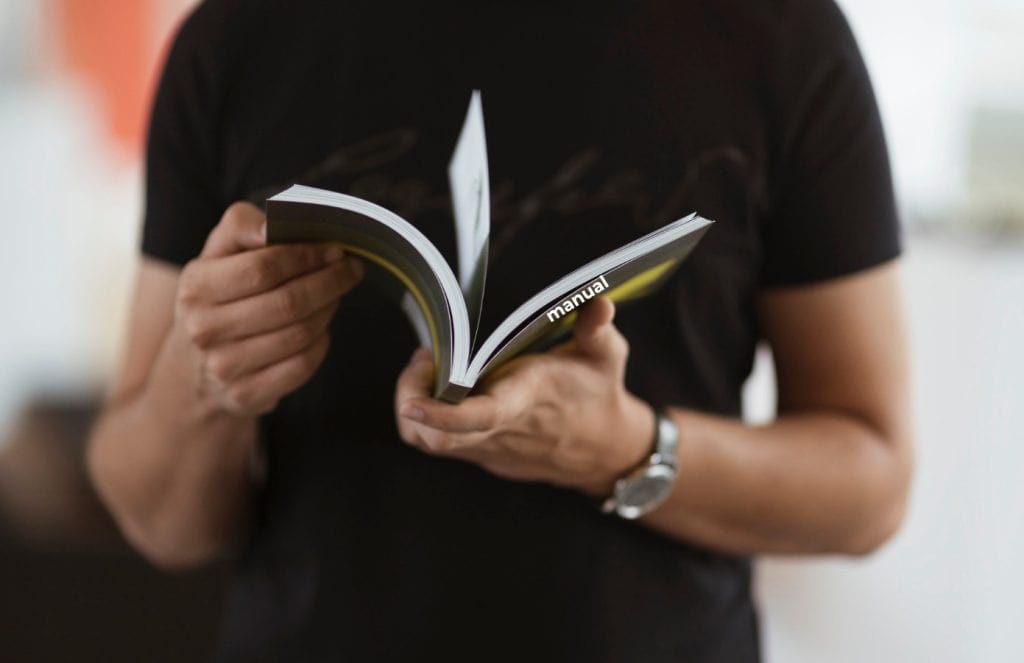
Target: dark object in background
(70,587)
(46,499)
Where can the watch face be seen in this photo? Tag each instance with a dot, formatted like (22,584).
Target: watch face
(638,495)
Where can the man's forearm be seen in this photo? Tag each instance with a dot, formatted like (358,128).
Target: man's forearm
(809,482)
(174,474)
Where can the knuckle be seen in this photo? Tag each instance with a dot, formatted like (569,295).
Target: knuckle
(219,366)
(230,403)
(188,295)
(289,303)
(264,407)
(198,329)
(300,335)
(259,274)
(189,290)
(310,360)
(239,398)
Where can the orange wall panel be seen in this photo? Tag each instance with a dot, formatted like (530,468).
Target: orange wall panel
(111,44)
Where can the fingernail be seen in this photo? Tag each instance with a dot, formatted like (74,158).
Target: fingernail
(413,412)
(263,230)
(334,253)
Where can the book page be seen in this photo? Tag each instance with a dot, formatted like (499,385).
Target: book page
(430,293)
(629,272)
(471,205)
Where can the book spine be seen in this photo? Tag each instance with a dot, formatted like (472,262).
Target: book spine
(452,393)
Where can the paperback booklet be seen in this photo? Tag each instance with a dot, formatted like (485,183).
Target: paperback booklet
(445,310)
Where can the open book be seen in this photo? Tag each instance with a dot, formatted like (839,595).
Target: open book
(445,310)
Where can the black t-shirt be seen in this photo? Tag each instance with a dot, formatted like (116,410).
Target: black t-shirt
(604,120)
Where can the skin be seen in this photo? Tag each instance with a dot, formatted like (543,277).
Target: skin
(210,348)
(215,345)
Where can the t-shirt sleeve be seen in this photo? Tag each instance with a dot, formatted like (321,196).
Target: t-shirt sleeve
(833,209)
(182,203)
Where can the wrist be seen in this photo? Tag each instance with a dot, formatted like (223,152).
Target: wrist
(177,386)
(628,444)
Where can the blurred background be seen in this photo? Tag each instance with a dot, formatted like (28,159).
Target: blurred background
(75,80)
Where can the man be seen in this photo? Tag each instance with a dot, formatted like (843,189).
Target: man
(257,412)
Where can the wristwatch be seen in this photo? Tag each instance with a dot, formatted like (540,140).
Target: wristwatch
(647,486)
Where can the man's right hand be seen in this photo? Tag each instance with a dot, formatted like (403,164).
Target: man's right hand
(253,319)
(210,347)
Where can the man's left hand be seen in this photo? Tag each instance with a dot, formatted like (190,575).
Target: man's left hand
(562,417)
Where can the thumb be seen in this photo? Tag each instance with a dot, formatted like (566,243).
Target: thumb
(594,333)
(243,227)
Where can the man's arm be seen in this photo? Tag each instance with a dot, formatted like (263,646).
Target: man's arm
(831,474)
(153,440)
(209,349)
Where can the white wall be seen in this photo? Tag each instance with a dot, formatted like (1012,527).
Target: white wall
(917,65)
(69,225)
(933,64)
